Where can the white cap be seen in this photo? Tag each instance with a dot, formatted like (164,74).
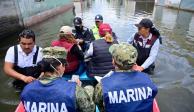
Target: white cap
(66,30)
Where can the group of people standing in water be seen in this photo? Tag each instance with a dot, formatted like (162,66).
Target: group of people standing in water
(124,87)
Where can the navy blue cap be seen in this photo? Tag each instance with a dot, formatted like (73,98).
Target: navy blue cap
(77,21)
(147,23)
(98,17)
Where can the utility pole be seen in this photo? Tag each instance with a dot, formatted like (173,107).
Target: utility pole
(180,4)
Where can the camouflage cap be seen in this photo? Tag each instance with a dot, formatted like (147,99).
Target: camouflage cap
(54,52)
(123,54)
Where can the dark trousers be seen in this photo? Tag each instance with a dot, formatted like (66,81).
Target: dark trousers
(150,69)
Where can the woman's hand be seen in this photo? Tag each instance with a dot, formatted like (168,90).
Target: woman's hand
(79,41)
(137,68)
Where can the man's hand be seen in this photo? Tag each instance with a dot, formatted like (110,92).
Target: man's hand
(8,68)
(137,68)
(27,79)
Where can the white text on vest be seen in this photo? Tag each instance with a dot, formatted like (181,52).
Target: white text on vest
(129,95)
(44,107)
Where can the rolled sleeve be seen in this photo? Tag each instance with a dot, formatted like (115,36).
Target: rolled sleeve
(130,39)
(90,51)
(153,54)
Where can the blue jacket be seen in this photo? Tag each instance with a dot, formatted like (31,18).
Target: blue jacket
(56,96)
(128,92)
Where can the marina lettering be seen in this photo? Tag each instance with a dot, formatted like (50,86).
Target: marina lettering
(129,95)
(44,107)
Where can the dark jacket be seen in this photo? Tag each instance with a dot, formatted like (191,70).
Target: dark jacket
(86,35)
(101,62)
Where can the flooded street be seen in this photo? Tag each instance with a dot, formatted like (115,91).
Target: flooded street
(174,73)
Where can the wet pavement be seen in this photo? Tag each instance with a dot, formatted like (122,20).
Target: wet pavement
(174,73)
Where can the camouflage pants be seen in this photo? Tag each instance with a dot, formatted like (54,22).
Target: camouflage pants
(90,91)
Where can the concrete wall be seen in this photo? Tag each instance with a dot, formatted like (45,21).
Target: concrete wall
(35,11)
(17,14)
(9,19)
(187,4)
(178,4)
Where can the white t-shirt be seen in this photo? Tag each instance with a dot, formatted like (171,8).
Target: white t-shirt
(23,59)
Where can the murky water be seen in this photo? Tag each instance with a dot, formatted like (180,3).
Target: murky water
(174,72)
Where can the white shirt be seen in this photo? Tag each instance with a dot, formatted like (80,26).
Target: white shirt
(89,51)
(153,52)
(23,59)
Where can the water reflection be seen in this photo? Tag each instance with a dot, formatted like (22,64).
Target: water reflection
(144,7)
(176,27)
(48,30)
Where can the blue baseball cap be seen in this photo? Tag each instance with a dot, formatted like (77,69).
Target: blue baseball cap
(98,17)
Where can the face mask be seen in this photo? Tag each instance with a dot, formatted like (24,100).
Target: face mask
(78,28)
(60,75)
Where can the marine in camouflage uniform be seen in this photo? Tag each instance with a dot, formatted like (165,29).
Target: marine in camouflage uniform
(125,56)
(84,103)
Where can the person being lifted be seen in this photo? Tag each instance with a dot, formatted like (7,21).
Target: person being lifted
(125,90)
(147,42)
(21,60)
(83,35)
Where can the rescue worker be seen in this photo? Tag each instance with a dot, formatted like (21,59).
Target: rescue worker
(83,35)
(74,52)
(124,90)
(51,93)
(98,21)
(21,60)
(147,42)
(101,60)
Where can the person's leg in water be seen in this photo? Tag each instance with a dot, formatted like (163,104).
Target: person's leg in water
(150,70)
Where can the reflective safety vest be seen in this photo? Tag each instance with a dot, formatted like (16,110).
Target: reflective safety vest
(57,96)
(128,92)
(95,32)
